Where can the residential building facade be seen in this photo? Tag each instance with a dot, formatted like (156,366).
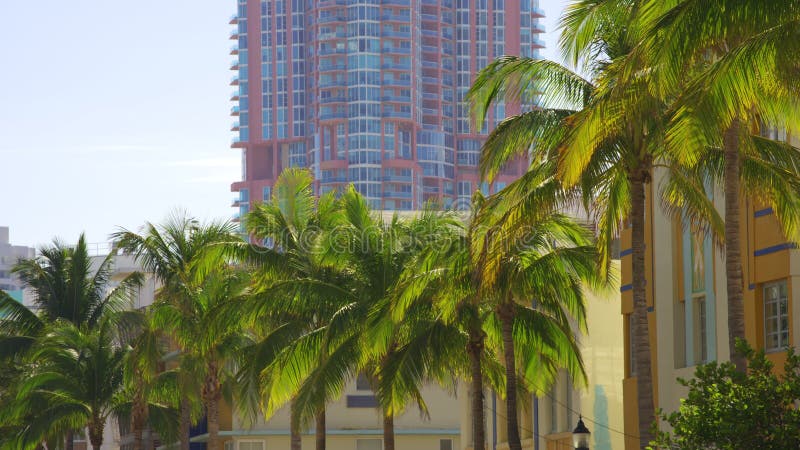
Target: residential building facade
(371,93)
(9,255)
(687,296)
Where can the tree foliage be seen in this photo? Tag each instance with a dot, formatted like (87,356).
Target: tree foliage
(729,410)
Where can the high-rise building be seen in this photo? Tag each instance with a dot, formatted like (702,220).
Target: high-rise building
(9,256)
(371,92)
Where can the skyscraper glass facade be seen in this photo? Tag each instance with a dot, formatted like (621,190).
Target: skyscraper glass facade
(371,93)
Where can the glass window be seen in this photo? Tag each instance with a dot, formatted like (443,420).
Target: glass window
(776,317)
(251,445)
(700,332)
(362,382)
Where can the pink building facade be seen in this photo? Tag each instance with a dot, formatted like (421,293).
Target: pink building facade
(370,93)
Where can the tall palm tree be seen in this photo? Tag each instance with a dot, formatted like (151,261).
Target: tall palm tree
(444,276)
(74,380)
(594,139)
(379,251)
(727,64)
(550,264)
(150,391)
(209,340)
(296,294)
(177,252)
(67,286)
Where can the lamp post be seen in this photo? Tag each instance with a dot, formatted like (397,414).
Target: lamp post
(580,436)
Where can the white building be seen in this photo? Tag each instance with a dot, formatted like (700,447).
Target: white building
(9,255)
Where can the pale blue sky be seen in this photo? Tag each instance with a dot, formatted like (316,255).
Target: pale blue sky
(113,113)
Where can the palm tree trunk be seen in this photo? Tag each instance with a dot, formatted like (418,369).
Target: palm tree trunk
(507,320)
(644,377)
(212,414)
(137,438)
(320,430)
(733,256)
(475,351)
(138,419)
(296,442)
(69,443)
(96,427)
(186,424)
(388,431)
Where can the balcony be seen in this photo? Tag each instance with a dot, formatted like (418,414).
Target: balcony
(332,51)
(396,34)
(324,3)
(329,67)
(331,116)
(395,66)
(430,80)
(333,83)
(430,64)
(234,34)
(397,178)
(432,17)
(235,125)
(406,195)
(234,49)
(235,95)
(334,180)
(234,19)
(396,82)
(430,189)
(538,28)
(397,114)
(395,17)
(430,49)
(430,112)
(330,19)
(398,50)
(234,64)
(537,12)
(395,98)
(235,110)
(396,2)
(538,43)
(327,100)
(235,80)
(329,36)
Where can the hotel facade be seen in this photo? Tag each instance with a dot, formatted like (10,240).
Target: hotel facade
(686,296)
(370,93)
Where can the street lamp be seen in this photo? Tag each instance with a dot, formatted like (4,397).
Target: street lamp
(580,436)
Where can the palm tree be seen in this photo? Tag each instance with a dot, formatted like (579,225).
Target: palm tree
(444,276)
(295,296)
(66,287)
(151,392)
(394,357)
(75,376)
(209,340)
(177,252)
(594,140)
(739,78)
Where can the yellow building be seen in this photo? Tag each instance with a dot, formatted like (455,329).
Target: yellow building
(686,297)
(546,422)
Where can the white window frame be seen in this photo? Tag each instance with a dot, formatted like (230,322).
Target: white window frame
(785,310)
(239,443)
